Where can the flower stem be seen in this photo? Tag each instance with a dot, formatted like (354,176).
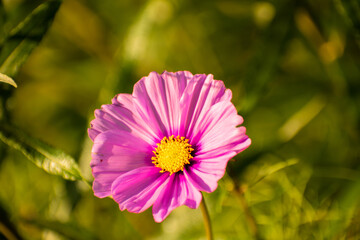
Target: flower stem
(206,218)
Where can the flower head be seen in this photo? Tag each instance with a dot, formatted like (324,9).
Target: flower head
(164,143)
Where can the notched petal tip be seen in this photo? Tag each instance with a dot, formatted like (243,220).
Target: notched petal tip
(100,190)
(92,133)
(159,218)
(178,74)
(247,143)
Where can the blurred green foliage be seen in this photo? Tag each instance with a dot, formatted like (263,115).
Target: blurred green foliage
(293,68)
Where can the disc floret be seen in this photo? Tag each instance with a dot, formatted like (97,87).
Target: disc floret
(172,154)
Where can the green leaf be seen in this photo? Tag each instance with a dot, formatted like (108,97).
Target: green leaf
(22,39)
(7,79)
(52,160)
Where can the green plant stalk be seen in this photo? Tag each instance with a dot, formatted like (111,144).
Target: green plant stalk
(207,221)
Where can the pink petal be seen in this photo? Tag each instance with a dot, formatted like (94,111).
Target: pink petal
(193,195)
(157,100)
(218,131)
(113,153)
(200,94)
(138,189)
(102,123)
(205,172)
(217,139)
(222,141)
(214,161)
(102,183)
(120,115)
(93,133)
(207,169)
(176,193)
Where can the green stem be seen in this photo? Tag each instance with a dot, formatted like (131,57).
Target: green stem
(206,218)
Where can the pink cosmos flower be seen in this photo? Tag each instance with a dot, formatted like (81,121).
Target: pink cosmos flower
(164,143)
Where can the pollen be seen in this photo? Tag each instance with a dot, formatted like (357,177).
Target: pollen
(172,154)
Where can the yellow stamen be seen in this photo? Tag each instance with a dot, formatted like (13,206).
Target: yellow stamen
(172,154)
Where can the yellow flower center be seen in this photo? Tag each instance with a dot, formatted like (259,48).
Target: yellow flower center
(172,154)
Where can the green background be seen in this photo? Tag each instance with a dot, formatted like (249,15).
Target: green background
(293,68)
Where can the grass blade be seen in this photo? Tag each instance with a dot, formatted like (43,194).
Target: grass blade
(7,79)
(22,39)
